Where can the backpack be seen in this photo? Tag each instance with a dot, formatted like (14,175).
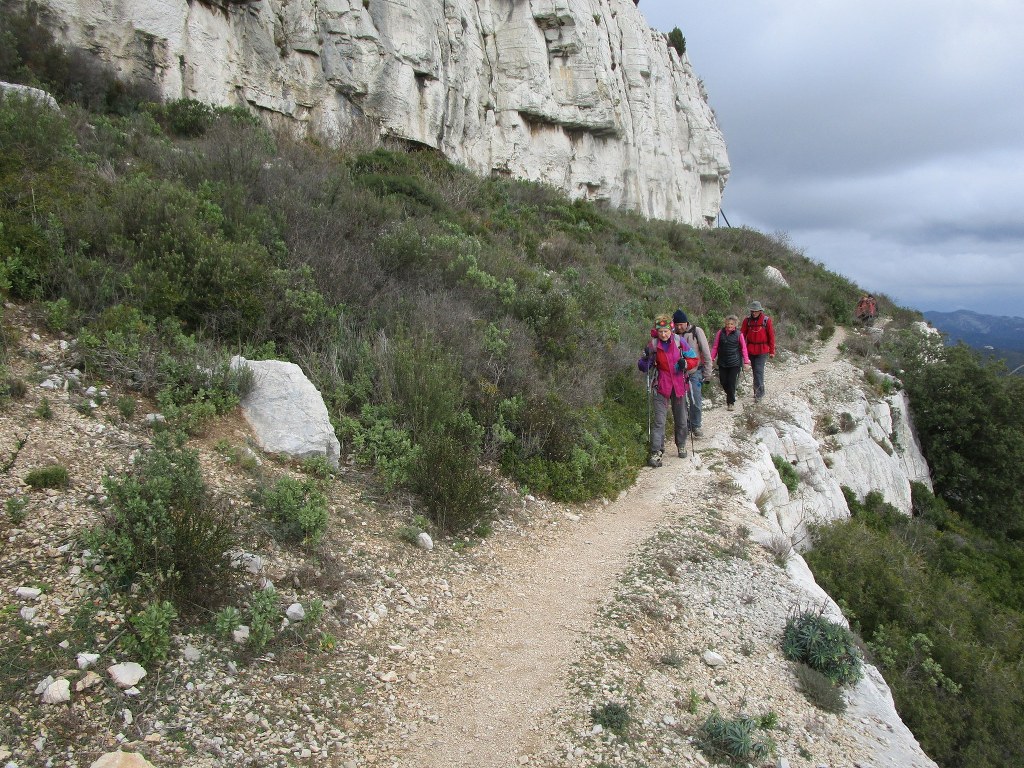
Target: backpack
(690,358)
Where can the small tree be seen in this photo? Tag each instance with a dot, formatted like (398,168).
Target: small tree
(677,41)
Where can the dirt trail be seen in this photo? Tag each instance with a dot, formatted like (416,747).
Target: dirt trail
(486,706)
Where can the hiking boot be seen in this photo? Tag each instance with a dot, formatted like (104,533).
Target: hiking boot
(697,432)
(655,460)
(682,453)
(730,407)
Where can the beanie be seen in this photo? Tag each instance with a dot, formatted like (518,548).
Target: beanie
(679,317)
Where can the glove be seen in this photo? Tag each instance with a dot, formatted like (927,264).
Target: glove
(646,353)
(680,367)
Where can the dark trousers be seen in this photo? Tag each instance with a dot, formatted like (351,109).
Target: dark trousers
(728,377)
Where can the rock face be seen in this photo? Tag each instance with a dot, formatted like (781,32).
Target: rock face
(837,436)
(579,94)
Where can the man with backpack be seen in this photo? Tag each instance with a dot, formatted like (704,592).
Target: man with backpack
(697,341)
(759,333)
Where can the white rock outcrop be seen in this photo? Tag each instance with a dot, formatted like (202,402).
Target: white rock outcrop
(286,412)
(580,94)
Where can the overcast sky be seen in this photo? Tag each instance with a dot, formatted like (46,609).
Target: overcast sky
(885,137)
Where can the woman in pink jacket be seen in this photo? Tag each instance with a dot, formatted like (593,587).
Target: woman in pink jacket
(666,355)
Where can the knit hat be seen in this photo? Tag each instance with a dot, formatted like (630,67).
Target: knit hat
(755,306)
(679,317)
(662,322)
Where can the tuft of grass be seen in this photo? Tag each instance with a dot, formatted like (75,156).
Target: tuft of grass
(613,716)
(734,740)
(15,507)
(52,476)
(43,410)
(819,690)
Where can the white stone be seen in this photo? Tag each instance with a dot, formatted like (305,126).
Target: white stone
(89,680)
(126,674)
(28,593)
(43,684)
(86,660)
(295,612)
(35,94)
(773,275)
(713,659)
(28,612)
(121,760)
(191,653)
(241,634)
(423,541)
(57,692)
(286,412)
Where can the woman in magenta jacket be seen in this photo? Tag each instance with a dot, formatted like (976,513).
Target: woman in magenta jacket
(666,355)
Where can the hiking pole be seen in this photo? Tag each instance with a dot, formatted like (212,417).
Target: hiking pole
(689,405)
(650,403)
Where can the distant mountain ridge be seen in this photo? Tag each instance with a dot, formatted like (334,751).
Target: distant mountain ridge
(980,331)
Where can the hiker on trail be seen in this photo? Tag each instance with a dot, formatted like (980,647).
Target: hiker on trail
(698,342)
(730,351)
(867,309)
(666,357)
(759,333)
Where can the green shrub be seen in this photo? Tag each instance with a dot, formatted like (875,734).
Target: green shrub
(164,532)
(44,410)
(52,476)
(787,473)
(823,645)
(613,716)
(226,621)
(446,475)
(677,41)
(298,508)
(15,507)
(819,690)
(150,637)
(264,617)
(378,442)
(735,740)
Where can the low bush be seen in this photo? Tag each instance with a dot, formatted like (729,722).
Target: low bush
(787,473)
(298,508)
(819,690)
(150,637)
(613,716)
(824,646)
(164,532)
(446,475)
(735,741)
(52,476)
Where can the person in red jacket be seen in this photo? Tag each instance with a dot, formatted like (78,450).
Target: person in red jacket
(759,333)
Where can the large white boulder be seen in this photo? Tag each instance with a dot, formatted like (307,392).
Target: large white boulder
(286,412)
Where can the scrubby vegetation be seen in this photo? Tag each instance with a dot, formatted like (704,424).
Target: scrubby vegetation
(448,319)
(460,327)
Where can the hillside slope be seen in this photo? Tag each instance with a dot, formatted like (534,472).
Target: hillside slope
(492,651)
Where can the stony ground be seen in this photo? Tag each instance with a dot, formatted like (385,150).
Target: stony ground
(484,653)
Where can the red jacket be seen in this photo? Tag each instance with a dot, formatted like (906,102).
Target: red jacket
(759,333)
(666,357)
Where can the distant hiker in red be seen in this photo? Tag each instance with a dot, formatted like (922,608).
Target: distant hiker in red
(729,349)
(867,309)
(667,355)
(759,333)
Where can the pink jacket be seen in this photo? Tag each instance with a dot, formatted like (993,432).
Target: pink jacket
(667,355)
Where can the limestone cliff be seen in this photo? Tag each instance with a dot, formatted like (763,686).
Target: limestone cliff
(580,94)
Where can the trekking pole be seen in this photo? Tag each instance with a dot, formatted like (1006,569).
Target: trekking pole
(689,405)
(650,402)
